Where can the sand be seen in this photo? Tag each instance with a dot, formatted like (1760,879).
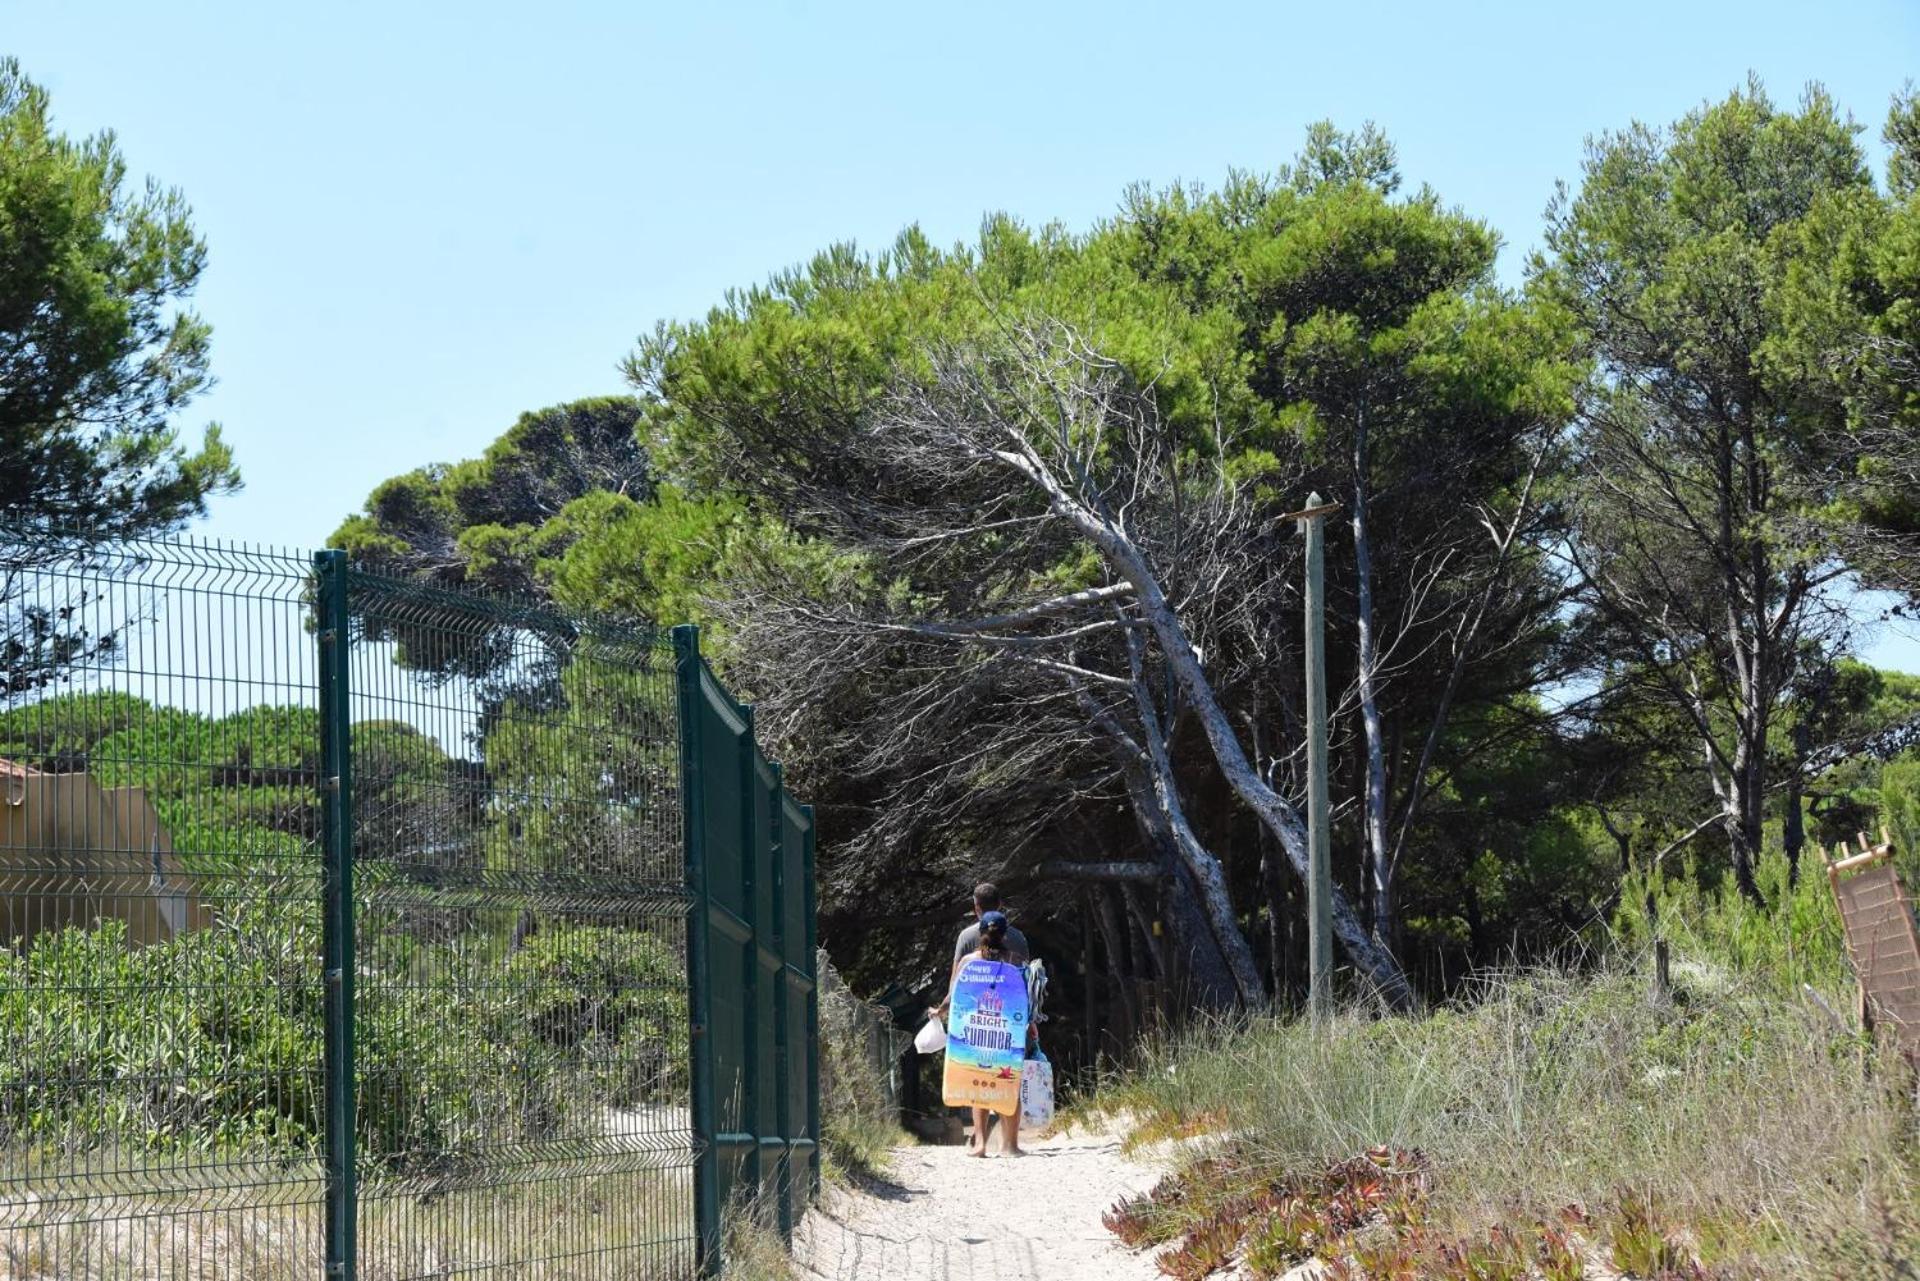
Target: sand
(944,1216)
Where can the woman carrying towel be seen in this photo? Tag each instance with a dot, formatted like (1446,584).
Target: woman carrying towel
(993,947)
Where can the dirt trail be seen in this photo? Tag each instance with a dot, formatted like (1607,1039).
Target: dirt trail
(943,1216)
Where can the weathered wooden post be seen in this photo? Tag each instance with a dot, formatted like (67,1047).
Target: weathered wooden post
(1319,869)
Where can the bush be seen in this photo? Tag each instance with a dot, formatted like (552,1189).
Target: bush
(859,1110)
(609,1004)
(214,1041)
(1795,939)
(208,1042)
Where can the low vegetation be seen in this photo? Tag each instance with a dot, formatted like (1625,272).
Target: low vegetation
(859,1107)
(210,1043)
(1556,1123)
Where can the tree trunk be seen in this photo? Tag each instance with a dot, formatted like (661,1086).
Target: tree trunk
(1377,866)
(1622,840)
(1198,974)
(1088,982)
(1746,801)
(1127,561)
(1149,942)
(1145,918)
(1204,867)
(1794,828)
(1121,996)
(1192,938)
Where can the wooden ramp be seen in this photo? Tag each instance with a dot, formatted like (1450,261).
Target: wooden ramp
(1881,939)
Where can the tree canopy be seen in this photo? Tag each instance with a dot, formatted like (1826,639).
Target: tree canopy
(99,356)
(99,353)
(997,535)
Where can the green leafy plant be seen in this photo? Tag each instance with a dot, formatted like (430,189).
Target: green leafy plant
(1558,1255)
(1642,1247)
(1290,1232)
(1207,1248)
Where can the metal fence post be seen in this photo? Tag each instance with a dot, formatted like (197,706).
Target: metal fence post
(337,944)
(751,856)
(783,1122)
(809,906)
(706,1173)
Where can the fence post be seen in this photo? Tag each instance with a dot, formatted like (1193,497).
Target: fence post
(1319,873)
(706,1173)
(337,946)
(752,839)
(809,906)
(783,1121)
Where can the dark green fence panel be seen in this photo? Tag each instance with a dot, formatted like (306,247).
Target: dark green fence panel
(762,785)
(351,927)
(799,1119)
(750,858)
(721,734)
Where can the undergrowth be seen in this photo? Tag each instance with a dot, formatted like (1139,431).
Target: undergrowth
(1552,1125)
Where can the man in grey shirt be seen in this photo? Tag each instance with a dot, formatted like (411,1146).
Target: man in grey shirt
(986,898)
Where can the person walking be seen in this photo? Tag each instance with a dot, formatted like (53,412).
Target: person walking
(1009,946)
(993,942)
(986,898)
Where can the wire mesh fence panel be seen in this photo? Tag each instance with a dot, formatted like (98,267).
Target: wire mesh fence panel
(351,927)
(521,1004)
(161,1002)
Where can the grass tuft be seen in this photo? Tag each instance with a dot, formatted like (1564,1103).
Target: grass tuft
(1733,1131)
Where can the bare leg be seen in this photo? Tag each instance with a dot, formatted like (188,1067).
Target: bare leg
(1010,1135)
(977,1146)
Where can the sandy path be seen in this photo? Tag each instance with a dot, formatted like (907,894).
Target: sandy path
(946,1217)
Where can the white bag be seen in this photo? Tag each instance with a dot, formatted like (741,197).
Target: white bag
(1036,1092)
(932,1038)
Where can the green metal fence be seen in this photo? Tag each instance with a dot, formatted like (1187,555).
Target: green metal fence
(358,928)
(753,931)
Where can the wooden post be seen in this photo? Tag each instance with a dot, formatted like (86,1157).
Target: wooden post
(1319,868)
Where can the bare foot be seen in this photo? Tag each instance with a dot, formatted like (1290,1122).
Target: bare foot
(1014,1152)
(980,1151)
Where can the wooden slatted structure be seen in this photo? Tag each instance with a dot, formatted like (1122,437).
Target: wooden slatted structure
(1882,939)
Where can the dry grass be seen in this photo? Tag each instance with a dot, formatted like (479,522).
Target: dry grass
(753,1251)
(633,1226)
(1744,1115)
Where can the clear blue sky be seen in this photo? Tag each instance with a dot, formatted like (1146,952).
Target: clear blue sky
(425,218)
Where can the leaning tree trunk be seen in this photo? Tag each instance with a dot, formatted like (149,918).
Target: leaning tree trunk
(1378,863)
(1200,862)
(1128,562)
(1194,936)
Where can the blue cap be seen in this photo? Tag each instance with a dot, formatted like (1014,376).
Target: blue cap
(990,919)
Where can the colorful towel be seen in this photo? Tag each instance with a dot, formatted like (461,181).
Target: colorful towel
(986,1038)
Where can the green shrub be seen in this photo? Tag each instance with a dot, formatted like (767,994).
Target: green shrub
(207,1042)
(213,1041)
(1795,939)
(609,1003)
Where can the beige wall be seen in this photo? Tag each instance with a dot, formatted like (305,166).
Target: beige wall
(73,853)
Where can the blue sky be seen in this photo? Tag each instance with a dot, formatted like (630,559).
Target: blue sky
(426,218)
